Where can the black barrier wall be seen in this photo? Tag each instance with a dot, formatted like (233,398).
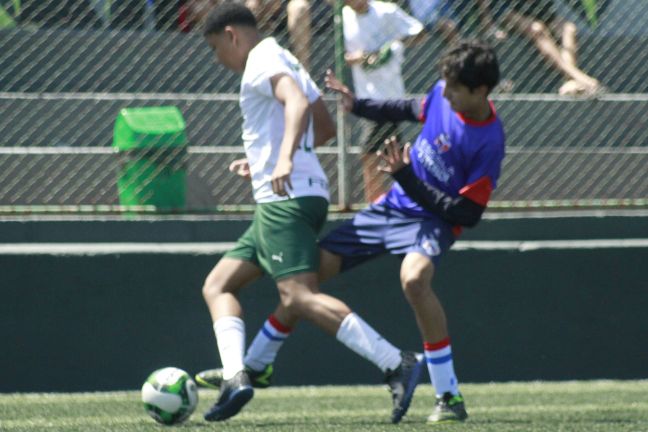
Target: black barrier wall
(71,323)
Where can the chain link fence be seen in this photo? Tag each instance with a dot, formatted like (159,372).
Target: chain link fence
(68,68)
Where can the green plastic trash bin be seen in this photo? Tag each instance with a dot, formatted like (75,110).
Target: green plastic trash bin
(152,148)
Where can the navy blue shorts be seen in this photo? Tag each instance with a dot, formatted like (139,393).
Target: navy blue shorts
(378,229)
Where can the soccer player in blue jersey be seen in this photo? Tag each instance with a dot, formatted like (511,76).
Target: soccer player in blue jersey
(443,183)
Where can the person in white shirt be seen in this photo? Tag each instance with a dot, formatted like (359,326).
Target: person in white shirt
(373,37)
(283,120)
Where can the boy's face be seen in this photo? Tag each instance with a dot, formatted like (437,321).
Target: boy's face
(227,49)
(461,98)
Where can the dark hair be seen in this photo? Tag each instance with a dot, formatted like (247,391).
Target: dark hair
(472,63)
(228,13)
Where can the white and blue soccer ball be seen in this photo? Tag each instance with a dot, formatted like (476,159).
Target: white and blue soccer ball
(170,396)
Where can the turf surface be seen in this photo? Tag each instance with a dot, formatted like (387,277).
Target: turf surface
(537,406)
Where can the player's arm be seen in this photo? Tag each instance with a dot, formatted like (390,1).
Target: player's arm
(381,111)
(465,210)
(388,110)
(296,110)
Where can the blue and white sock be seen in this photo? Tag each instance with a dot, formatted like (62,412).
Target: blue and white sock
(438,356)
(267,343)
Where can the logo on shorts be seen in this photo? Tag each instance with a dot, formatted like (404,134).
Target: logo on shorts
(277,257)
(431,247)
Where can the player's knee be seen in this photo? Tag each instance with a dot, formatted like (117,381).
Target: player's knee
(209,290)
(213,287)
(294,303)
(414,288)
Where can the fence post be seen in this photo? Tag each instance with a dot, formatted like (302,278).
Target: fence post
(343,178)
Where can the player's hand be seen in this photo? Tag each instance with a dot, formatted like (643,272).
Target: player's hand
(241,167)
(393,158)
(332,83)
(281,177)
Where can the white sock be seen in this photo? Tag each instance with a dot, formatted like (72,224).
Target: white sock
(230,337)
(266,344)
(439,361)
(358,336)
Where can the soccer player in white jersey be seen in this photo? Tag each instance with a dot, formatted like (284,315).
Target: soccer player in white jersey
(283,120)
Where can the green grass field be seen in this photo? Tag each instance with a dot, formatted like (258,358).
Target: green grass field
(538,406)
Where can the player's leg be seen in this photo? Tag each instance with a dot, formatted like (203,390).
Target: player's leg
(292,227)
(417,271)
(424,241)
(223,283)
(263,350)
(348,245)
(300,298)
(290,254)
(220,291)
(402,369)
(416,280)
(275,330)
(297,281)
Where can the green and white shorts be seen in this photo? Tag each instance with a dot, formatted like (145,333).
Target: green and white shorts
(282,239)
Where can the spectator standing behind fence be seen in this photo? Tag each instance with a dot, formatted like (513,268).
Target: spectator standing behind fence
(536,19)
(373,35)
(270,15)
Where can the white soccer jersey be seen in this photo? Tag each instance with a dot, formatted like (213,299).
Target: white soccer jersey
(263,124)
(383,23)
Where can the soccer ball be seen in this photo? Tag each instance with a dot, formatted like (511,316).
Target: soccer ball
(170,396)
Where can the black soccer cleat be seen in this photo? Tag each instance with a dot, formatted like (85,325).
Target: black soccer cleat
(448,408)
(213,378)
(403,381)
(234,394)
